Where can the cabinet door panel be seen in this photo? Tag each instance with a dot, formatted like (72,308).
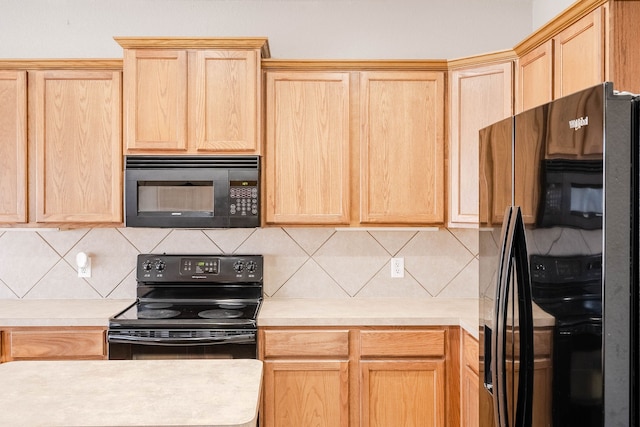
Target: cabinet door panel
(55,344)
(223,100)
(307,138)
(155,99)
(403,393)
(402,147)
(579,55)
(479,97)
(13,146)
(306,394)
(535,77)
(78,146)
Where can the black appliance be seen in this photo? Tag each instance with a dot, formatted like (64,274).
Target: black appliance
(192,191)
(190,306)
(558,268)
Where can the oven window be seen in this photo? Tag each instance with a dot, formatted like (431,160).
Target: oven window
(175,196)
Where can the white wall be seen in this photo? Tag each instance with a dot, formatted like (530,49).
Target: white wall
(337,29)
(544,10)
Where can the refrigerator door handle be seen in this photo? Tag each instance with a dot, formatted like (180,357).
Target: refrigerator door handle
(513,254)
(524,406)
(499,331)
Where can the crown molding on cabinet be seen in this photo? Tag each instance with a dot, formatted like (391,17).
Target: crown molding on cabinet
(61,64)
(482,59)
(235,43)
(563,20)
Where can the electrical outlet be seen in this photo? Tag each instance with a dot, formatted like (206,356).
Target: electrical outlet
(85,270)
(397,267)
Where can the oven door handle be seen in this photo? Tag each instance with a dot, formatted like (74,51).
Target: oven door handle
(194,341)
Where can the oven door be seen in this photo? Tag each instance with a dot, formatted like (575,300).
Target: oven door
(159,344)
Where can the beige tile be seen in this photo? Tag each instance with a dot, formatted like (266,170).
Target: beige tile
(468,237)
(63,240)
(282,256)
(229,239)
(392,241)
(6,293)
(125,289)
(464,285)
(144,239)
(310,282)
(112,258)
(26,258)
(62,282)
(434,259)
(351,258)
(383,286)
(187,242)
(310,239)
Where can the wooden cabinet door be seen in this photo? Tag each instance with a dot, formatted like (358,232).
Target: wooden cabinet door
(478,97)
(155,100)
(307,147)
(402,147)
(306,393)
(78,146)
(579,60)
(13,146)
(470,382)
(535,77)
(224,100)
(403,393)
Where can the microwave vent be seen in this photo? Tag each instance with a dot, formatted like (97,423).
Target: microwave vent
(192,162)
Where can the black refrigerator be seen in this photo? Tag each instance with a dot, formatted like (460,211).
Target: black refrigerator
(558,270)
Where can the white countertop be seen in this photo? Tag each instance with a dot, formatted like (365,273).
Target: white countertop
(370,312)
(131,393)
(59,312)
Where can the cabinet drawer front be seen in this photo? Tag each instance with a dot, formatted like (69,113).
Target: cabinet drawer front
(306,343)
(402,343)
(56,345)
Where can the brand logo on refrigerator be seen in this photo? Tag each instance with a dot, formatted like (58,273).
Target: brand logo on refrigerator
(576,124)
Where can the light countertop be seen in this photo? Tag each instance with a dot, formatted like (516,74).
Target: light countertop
(370,312)
(131,393)
(59,312)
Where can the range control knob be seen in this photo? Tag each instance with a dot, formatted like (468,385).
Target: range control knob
(238,266)
(146,266)
(251,266)
(160,265)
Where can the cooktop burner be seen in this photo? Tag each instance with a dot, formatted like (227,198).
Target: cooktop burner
(157,314)
(220,314)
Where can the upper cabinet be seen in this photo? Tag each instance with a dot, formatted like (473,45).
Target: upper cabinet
(13,146)
(587,44)
(60,143)
(192,95)
(354,143)
(402,147)
(75,120)
(480,93)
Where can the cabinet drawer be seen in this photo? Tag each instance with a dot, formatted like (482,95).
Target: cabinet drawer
(306,343)
(75,344)
(402,343)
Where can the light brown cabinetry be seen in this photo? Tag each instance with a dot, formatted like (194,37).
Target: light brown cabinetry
(60,142)
(480,93)
(75,120)
(354,143)
(307,147)
(589,43)
(470,381)
(53,343)
(13,146)
(360,376)
(189,96)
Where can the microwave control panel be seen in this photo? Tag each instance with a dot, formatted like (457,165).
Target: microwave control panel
(243,198)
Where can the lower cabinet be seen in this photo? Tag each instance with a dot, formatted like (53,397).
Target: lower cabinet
(360,376)
(469,382)
(53,343)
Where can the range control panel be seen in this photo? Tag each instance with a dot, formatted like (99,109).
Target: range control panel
(199,268)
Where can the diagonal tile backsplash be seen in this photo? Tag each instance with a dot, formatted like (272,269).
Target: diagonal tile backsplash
(299,262)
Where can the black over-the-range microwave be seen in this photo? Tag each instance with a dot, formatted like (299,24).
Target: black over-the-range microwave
(192,191)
